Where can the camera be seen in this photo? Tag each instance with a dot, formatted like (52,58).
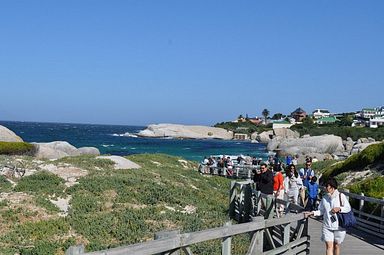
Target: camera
(333,218)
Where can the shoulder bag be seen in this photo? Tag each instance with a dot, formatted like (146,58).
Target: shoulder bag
(346,220)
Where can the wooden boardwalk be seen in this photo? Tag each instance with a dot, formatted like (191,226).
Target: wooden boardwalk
(355,243)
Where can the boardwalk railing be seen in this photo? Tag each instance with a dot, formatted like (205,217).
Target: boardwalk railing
(236,171)
(371,221)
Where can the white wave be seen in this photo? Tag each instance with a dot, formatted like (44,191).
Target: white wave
(126,134)
(107,145)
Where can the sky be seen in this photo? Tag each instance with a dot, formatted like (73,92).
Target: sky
(137,62)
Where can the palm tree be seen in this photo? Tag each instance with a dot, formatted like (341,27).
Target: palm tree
(265,113)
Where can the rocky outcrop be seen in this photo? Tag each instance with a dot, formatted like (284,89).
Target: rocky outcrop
(265,137)
(325,144)
(89,151)
(183,131)
(60,149)
(7,135)
(285,133)
(121,163)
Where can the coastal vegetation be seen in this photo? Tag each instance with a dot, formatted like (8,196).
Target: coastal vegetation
(370,155)
(16,148)
(243,127)
(343,131)
(109,207)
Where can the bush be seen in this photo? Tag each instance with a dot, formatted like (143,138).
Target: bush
(369,155)
(42,183)
(17,148)
(5,185)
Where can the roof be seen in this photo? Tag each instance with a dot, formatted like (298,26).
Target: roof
(299,110)
(328,119)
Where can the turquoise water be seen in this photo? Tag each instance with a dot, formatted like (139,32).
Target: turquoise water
(115,139)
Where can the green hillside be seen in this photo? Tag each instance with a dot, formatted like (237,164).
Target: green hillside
(109,208)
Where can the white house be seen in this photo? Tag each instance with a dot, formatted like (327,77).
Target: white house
(320,113)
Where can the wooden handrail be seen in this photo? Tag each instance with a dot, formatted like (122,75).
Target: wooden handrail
(183,240)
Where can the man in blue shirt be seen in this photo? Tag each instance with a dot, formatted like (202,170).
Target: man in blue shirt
(306,175)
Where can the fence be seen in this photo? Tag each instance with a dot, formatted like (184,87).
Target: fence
(236,171)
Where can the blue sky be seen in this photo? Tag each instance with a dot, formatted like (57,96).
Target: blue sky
(190,62)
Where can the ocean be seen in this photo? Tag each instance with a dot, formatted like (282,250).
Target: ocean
(121,140)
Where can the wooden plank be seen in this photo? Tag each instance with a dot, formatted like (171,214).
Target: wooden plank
(368,215)
(360,197)
(288,246)
(187,250)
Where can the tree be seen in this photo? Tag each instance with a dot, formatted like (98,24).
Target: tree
(277,116)
(265,113)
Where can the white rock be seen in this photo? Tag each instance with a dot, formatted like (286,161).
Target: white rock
(7,135)
(121,163)
(55,150)
(325,144)
(183,131)
(265,136)
(89,151)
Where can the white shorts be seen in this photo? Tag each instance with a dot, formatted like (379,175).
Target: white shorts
(336,236)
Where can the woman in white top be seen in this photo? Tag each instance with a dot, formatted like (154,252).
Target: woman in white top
(292,184)
(332,234)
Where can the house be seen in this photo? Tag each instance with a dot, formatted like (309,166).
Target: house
(319,113)
(240,136)
(368,113)
(281,124)
(256,120)
(299,114)
(326,120)
(377,119)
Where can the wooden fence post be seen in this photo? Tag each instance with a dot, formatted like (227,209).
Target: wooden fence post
(256,246)
(169,233)
(361,205)
(75,250)
(226,244)
(232,200)
(382,216)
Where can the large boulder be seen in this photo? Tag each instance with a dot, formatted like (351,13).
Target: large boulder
(348,144)
(89,151)
(285,133)
(183,131)
(7,135)
(325,144)
(56,150)
(121,163)
(265,136)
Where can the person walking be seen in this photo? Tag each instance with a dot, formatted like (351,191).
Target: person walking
(332,234)
(278,189)
(264,184)
(292,184)
(306,175)
(313,190)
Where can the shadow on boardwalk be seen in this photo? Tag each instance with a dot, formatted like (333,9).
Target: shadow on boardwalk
(355,243)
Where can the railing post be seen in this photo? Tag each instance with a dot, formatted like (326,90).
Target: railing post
(75,250)
(361,205)
(227,242)
(169,233)
(382,217)
(232,200)
(257,243)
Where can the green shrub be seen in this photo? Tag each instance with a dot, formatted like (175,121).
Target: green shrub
(5,185)
(369,155)
(370,187)
(45,203)
(17,148)
(42,183)
(88,162)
